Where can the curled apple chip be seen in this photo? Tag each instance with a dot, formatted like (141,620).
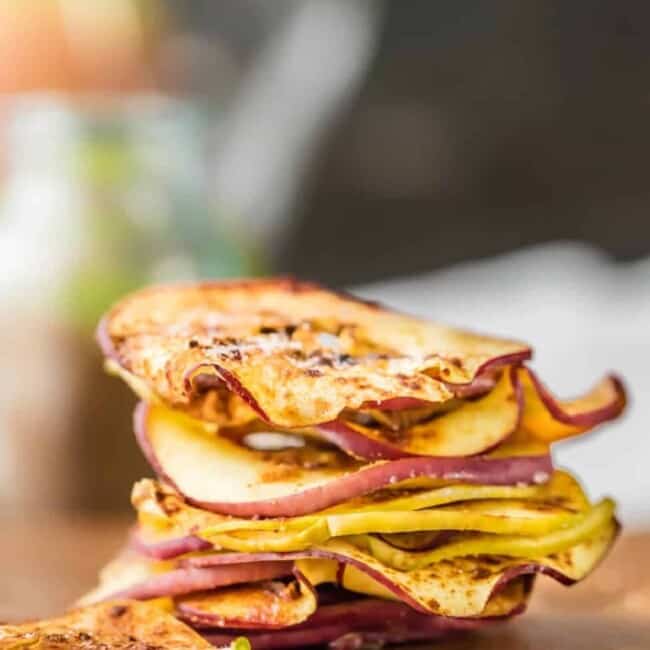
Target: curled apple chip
(277,606)
(471,428)
(256,602)
(474,578)
(515,406)
(137,577)
(461,585)
(359,623)
(295,352)
(112,625)
(169,527)
(242,595)
(548,418)
(275,603)
(583,528)
(265,605)
(229,476)
(166,519)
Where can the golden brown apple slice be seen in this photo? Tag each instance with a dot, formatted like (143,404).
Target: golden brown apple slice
(460,586)
(113,625)
(370,622)
(222,475)
(297,353)
(472,428)
(549,418)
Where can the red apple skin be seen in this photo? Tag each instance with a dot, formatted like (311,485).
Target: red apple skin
(586,419)
(526,568)
(475,469)
(481,383)
(179,582)
(167,549)
(361,446)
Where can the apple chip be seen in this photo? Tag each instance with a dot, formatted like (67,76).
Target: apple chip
(548,418)
(113,625)
(227,476)
(534,510)
(295,352)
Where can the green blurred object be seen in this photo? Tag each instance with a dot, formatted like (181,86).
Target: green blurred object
(240,644)
(147,215)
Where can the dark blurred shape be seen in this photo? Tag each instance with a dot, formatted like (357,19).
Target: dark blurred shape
(483,127)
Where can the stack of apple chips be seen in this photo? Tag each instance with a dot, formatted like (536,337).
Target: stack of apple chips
(329,471)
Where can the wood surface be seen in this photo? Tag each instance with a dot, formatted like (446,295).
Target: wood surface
(47,562)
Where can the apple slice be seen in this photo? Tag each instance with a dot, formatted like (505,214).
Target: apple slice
(168,548)
(133,576)
(224,475)
(169,527)
(470,429)
(268,606)
(549,418)
(295,352)
(360,623)
(117,624)
(460,586)
(585,527)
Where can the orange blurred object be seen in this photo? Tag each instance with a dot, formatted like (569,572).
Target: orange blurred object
(77,46)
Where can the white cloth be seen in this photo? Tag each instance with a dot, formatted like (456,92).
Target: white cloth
(584,315)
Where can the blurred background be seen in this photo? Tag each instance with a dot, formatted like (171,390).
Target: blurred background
(480,163)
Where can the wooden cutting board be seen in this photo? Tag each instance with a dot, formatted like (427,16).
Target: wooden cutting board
(46,563)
